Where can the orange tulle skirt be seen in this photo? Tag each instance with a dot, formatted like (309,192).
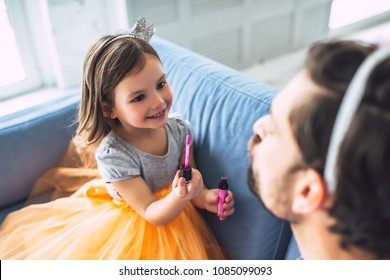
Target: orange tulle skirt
(91,225)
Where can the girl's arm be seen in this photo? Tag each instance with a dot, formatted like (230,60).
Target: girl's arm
(138,195)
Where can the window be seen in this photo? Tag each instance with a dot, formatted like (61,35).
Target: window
(346,13)
(9,55)
(18,70)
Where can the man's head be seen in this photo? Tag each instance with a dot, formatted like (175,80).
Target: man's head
(290,146)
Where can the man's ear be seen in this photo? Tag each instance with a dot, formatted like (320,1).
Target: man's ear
(310,192)
(107,112)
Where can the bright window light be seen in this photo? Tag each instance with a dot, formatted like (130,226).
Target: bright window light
(346,12)
(11,67)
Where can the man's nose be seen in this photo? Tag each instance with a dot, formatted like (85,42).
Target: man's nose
(258,133)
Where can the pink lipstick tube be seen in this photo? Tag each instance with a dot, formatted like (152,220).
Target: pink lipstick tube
(185,169)
(223,187)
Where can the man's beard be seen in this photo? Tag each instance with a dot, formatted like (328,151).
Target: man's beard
(255,189)
(281,201)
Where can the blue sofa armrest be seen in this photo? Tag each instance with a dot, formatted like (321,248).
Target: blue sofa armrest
(32,141)
(221,104)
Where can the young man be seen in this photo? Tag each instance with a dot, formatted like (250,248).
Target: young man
(339,207)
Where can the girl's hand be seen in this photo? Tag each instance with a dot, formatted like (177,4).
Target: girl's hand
(211,203)
(187,191)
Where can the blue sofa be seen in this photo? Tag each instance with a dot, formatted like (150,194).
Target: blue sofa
(219,102)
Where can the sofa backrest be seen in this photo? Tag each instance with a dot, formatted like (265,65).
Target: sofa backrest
(222,104)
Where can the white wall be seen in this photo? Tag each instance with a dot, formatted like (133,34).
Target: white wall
(237,33)
(63,31)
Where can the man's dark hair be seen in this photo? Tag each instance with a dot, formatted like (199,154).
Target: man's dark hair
(362,198)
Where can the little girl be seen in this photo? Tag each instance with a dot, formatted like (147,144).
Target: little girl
(141,208)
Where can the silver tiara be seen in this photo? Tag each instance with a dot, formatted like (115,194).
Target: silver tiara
(141,30)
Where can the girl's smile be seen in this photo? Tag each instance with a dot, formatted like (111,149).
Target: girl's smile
(158,116)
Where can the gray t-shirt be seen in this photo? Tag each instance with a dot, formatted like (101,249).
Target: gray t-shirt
(118,160)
